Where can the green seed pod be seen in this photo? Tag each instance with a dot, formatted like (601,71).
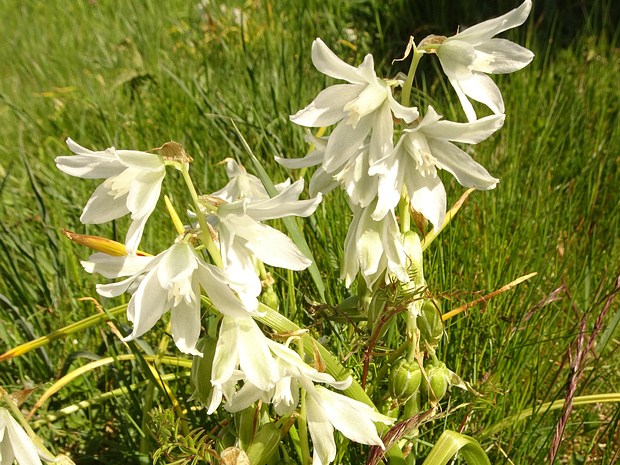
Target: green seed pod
(200,378)
(404,380)
(245,423)
(439,377)
(264,444)
(430,324)
(270,298)
(413,405)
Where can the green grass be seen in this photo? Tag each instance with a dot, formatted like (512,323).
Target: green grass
(138,74)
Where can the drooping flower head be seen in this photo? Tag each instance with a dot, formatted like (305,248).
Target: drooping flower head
(169,281)
(364,105)
(132,185)
(467,56)
(423,149)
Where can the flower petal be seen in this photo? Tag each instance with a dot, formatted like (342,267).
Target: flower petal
(484,31)
(327,62)
(481,88)
(507,56)
(103,206)
(147,305)
(470,133)
(467,172)
(328,107)
(321,432)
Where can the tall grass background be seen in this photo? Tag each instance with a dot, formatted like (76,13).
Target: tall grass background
(137,74)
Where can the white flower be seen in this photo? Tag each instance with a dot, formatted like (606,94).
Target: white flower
(169,281)
(469,54)
(372,247)
(364,105)
(16,445)
(132,185)
(242,237)
(325,410)
(419,152)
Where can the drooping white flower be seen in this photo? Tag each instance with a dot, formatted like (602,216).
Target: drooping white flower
(169,281)
(16,445)
(467,56)
(419,152)
(325,410)
(242,237)
(372,247)
(132,185)
(364,105)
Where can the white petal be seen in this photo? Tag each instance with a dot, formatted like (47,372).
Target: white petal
(328,107)
(313,158)
(115,267)
(103,206)
(226,356)
(177,263)
(487,29)
(141,160)
(147,305)
(144,193)
(381,140)
(468,108)
(481,88)
(470,133)
(328,63)
(345,142)
(213,281)
(321,183)
(321,432)
(467,172)
(185,323)
(92,166)
(507,56)
(255,357)
(19,444)
(277,249)
(353,418)
(427,195)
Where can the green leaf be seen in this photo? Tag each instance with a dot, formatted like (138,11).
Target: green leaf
(451,442)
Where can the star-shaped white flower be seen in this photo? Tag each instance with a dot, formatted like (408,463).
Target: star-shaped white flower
(132,185)
(169,281)
(419,152)
(16,445)
(364,105)
(243,238)
(467,56)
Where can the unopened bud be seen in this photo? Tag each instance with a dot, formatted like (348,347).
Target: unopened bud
(430,324)
(264,444)
(200,377)
(270,298)
(404,380)
(438,382)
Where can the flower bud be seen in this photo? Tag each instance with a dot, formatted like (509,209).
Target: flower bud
(264,444)
(430,324)
(439,380)
(404,380)
(200,377)
(270,298)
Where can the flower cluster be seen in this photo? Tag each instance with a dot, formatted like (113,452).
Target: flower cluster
(360,154)
(385,154)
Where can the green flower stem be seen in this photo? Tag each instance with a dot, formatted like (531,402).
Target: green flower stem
(406,92)
(205,235)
